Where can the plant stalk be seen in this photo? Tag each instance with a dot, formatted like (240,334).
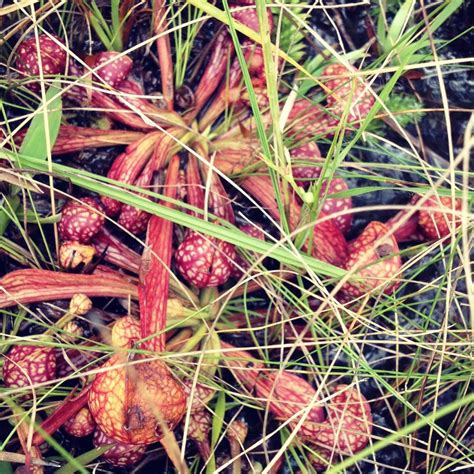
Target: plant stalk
(155,269)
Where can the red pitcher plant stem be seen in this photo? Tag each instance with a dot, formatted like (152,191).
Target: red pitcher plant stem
(160,24)
(405,226)
(33,456)
(216,69)
(155,269)
(234,157)
(126,95)
(72,139)
(116,252)
(430,221)
(127,167)
(120,112)
(228,94)
(219,201)
(64,411)
(31,286)
(139,403)
(213,74)
(194,187)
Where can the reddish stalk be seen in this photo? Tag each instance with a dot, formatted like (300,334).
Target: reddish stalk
(112,69)
(219,201)
(116,252)
(243,129)
(437,216)
(72,138)
(239,148)
(216,69)
(33,455)
(160,24)
(131,218)
(236,435)
(241,264)
(120,107)
(200,423)
(258,284)
(119,254)
(213,74)
(127,167)
(194,187)
(155,268)
(228,94)
(62,413)
(408,231)
(31,286)
(243,366)
(119,112)
(234,160)
(230,91)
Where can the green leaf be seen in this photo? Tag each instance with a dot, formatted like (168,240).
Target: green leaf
(381,34)
(116,25)
(217,424)
(218,419)
(45,125)
(8,207)
(448,10)
(103,36)
(398,23)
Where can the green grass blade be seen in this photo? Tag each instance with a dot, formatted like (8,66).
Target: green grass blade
(116,25)
(232,235)
(37,138)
